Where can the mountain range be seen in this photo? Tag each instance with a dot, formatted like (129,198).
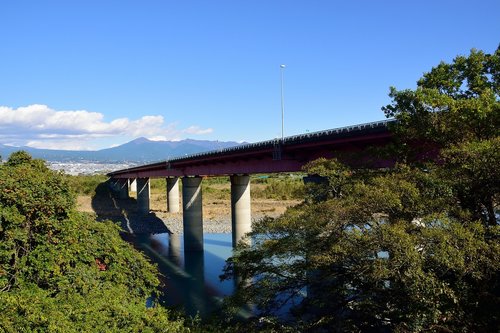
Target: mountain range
(140,150)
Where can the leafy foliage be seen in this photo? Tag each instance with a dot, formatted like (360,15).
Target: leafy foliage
(278,188)
(61,270)
(456,107)
(413,248)
(453,103)
(330,172)
(375,258)
(85,184)
(475,170)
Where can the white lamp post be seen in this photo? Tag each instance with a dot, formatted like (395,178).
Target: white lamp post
(282,69)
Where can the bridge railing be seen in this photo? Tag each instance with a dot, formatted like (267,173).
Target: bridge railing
(271,144)
(287,140)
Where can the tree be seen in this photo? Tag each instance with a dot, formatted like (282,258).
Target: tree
(474,169)
(453,103)
(456,108)
(21,157)
(376,258)
(412,248)
(327,172)
(61,270)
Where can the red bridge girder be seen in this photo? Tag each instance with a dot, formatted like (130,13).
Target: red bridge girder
(273,156)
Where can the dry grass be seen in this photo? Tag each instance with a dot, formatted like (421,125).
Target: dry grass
(84,204)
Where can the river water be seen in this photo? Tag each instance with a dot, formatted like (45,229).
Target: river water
(190,279)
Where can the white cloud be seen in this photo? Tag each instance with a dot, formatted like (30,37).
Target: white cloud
(60,145)
(158,138)
(196,130)
(39,126)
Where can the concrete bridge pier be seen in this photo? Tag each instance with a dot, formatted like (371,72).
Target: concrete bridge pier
(113,184)
(122,188)
(194,265)
(173,194)
(241,216)
(143,195)
(174,248)
(192,216)
(132,184)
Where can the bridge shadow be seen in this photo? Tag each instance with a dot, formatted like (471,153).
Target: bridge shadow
(108,206)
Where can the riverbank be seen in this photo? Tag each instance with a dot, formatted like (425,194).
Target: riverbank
(216,213)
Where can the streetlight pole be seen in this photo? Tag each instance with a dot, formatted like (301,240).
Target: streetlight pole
(282,69)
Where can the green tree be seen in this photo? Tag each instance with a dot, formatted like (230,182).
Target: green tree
(474,169)
(20,157)
(63,271)
(329,179)
(453,103)
(376,258)
(413,248)
(456,110)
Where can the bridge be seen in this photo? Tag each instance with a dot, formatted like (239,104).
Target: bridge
(289,154)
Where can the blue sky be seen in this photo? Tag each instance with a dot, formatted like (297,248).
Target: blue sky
(93,74)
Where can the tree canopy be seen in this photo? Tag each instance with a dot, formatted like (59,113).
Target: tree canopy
(453,103)
(456,108)
(412,248)
(62,271)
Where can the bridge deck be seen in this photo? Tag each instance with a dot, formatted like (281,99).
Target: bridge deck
(272,156)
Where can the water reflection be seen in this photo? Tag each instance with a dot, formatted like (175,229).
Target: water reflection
(174,249)
(190,278)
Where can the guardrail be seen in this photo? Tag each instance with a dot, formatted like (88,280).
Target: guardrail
(286,140)
(262,144)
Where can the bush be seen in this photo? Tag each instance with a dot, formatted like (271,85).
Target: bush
(85,184)
(285,188)
(63,271)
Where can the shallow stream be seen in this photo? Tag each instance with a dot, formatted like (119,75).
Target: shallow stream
(190,279)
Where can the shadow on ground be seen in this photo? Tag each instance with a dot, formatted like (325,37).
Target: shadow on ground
(108,206)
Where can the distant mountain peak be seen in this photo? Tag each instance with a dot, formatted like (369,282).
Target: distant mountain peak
(140,150)
(140,140)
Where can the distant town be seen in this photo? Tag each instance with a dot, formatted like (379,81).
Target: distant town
(136,152)
(88,167)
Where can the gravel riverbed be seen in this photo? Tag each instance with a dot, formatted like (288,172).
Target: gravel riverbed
(159,222)
(219,225)
(173,222)
(216,214)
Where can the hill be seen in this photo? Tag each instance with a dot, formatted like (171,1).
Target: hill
(140,150)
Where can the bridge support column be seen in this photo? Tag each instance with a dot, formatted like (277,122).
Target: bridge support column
(192,216)
(122,185)
(174,248)
(241,216)
(143,195)
(132,184)
(173,194)
(113,184)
